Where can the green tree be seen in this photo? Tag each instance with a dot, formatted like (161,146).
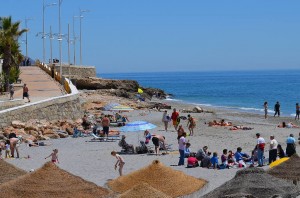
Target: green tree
(9,47)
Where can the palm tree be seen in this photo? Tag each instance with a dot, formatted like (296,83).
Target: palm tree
(9,46)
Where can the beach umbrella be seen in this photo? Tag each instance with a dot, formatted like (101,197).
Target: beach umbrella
(279,161)
(254,182)
(121,108)
(140,91)
(288,170)
(110,105)
(137,126)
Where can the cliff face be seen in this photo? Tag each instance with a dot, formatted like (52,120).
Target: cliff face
(121,88)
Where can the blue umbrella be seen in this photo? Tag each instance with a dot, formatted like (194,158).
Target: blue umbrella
(137,126)
(110,105)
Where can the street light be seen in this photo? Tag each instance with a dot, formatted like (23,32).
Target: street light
(74,39)
(43,36)
(60,40)
(51,38)
(26,20)
(81,11)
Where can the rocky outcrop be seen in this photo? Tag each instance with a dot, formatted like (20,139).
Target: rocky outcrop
(120,88)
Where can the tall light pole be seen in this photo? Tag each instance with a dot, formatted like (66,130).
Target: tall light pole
(60,40)
(81,11)
(74,39)
(26,41)
(43,37)
(51,38)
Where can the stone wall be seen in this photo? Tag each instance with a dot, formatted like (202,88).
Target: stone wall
(68,107)
(79,71)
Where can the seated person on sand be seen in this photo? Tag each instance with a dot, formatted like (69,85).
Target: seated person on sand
(240,127)
(85,123)
(224,160)
(223,123)
(192,161)
(157,140)
(201,153)
(288,125)
(187,151)
(241,157)
(214,161)
(148,136)
(127,147)
(230,158)
(206,162)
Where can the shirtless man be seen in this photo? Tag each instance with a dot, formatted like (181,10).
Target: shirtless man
(14,146)
(105,125)
(25,92)
(157,139)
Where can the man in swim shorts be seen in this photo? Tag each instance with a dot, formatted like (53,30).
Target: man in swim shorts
(156,140)
(174,117)
(105,124)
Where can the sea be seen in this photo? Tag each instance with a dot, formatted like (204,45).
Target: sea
(237,90)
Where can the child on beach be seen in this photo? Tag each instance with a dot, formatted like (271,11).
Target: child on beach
(54,156)
(120,161)
(7,149)
(214,161)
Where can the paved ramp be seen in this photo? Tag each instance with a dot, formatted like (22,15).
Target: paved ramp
(41,86)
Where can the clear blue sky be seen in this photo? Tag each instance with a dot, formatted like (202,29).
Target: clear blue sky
(171,35)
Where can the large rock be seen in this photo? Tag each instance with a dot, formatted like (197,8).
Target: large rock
(52,136)
(197,109)
(18,124)
(63,135)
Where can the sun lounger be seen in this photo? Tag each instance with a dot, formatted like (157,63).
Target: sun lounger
(103,139)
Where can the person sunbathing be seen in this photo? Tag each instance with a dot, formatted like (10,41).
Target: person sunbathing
(240,127)
(213,123)
(288,125)
(223,123)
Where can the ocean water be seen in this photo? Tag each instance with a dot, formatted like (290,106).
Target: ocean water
(242,90)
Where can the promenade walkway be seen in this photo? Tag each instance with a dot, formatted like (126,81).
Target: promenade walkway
(41,86)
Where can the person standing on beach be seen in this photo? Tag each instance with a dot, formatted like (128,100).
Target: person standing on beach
(191,124)
(181,145)
(260,149)
(290,145)
(14,146)
(266,109)
(157,140)
(25,92)
(297,111)
(174,117)
(11,91)
(277,109)
(273,149)
(105,125)
(165,119)
(120,162)
(54,156)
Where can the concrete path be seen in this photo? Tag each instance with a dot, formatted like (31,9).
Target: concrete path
(41,86)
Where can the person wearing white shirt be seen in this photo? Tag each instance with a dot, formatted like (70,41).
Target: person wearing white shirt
(181,145)
(260,149)
(273,149)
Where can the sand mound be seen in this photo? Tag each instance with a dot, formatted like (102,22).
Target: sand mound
(143,190)
(167,180)
(9,172)
(254,182)
(290,169)
(51,181)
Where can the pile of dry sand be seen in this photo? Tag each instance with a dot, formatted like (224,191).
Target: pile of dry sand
(9,172)
(143,190)
(165,179)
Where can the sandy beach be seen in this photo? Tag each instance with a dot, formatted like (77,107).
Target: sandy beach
(92,160)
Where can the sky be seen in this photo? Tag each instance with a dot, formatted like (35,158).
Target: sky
(167,35)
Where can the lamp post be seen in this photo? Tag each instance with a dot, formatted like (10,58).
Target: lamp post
(60,40)
(74,39)
(43,36)
(51,38)
(81,11)
(26,40)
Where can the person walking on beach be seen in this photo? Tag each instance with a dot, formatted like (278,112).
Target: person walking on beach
(277,109)
(191,124)
(297,111)
(273,149)
(166,119)
(105,125)
(25,92)
(181,145)
(174,117)
(260,149)
(11,91)
(54,156)
(14,146)
(266,109)
(120,162)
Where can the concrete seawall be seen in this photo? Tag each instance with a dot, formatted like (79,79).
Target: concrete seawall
(79,71)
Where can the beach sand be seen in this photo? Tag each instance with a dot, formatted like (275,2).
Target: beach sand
(92,160)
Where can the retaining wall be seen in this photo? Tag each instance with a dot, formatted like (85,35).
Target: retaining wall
(80,71)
